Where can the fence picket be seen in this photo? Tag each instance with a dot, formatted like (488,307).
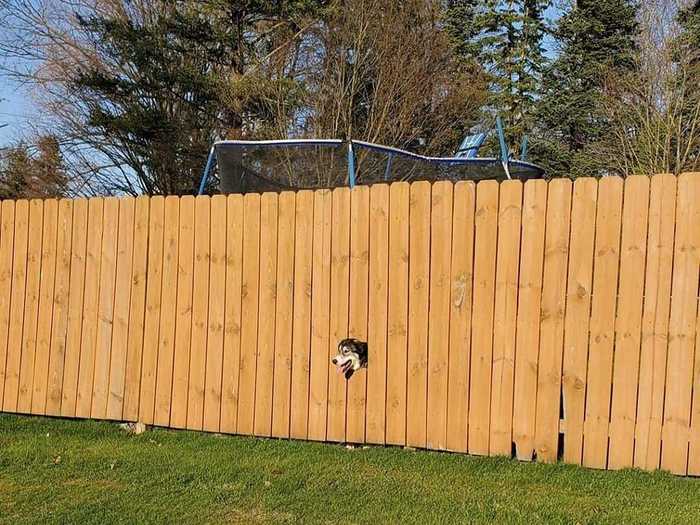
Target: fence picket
(486,231)
(91,305)
(628,323)
(284,315)
(31,306)
(232,313)
(439,313)
(505,318)
(59,325)
(122,299)
(7,239)
(551,350)
(460,315)
(681,341)
(375,431)
(357,316)
(166,329)
(301,327)
(340,293)
(217,297)
(46,306)
(200,307)
(528,325)
(249,313)
(602,324)
(655,317)
(397,316)
(75,308)
(183,319)
(105,312)
(266,324)
(577,317)
(19,272)
(152,316)
(137,310)
(320,315)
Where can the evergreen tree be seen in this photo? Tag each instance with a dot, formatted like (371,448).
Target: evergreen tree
(506,39)
(597,42)
(687,80)
(38,175)
(169,79)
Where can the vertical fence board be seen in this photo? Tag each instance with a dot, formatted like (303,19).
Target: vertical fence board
(320,316)
(528,326)
(137,310)
(105,312)
(183,318)
(655,317)
(200,308)
(486,231)
(340,292)
(357,316)
(75,308)
(217,298)
(679,373)
(301,327)
(460,315)
(505,318)
(551,351)
(7,238)
(602,325)
(266,317)
(232,313)
(284,315)
(418,303)
(120,329)
(59,324)
(168,313)
(628,323)
(31,306)
(694,449)
(577,317)
(397,314)
(439,313)
(91,306)
(19,273)
(46,305)
(375,431)
(153,305)
(249,315)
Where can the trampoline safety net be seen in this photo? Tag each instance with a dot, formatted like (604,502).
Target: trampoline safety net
(259,166)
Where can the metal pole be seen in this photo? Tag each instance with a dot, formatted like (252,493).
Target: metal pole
(504,147)
(351,165)
(207,170)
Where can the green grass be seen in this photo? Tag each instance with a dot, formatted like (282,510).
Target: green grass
(59,471)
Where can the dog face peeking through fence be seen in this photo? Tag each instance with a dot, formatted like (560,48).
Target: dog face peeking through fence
(352,355)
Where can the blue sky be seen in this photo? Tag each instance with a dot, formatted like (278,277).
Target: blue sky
(18,110)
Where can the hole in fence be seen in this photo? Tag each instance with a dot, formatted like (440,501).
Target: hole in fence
(351,356)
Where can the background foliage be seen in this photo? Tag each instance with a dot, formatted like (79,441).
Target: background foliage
(133,92)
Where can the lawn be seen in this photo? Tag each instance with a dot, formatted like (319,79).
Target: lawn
(59,471)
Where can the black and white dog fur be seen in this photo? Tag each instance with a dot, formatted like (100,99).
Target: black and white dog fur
(352,355)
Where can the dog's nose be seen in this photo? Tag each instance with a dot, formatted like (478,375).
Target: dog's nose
(334,360)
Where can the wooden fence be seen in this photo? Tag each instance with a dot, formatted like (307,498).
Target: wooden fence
(550,319)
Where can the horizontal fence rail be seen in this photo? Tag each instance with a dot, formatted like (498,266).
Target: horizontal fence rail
(549,320)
